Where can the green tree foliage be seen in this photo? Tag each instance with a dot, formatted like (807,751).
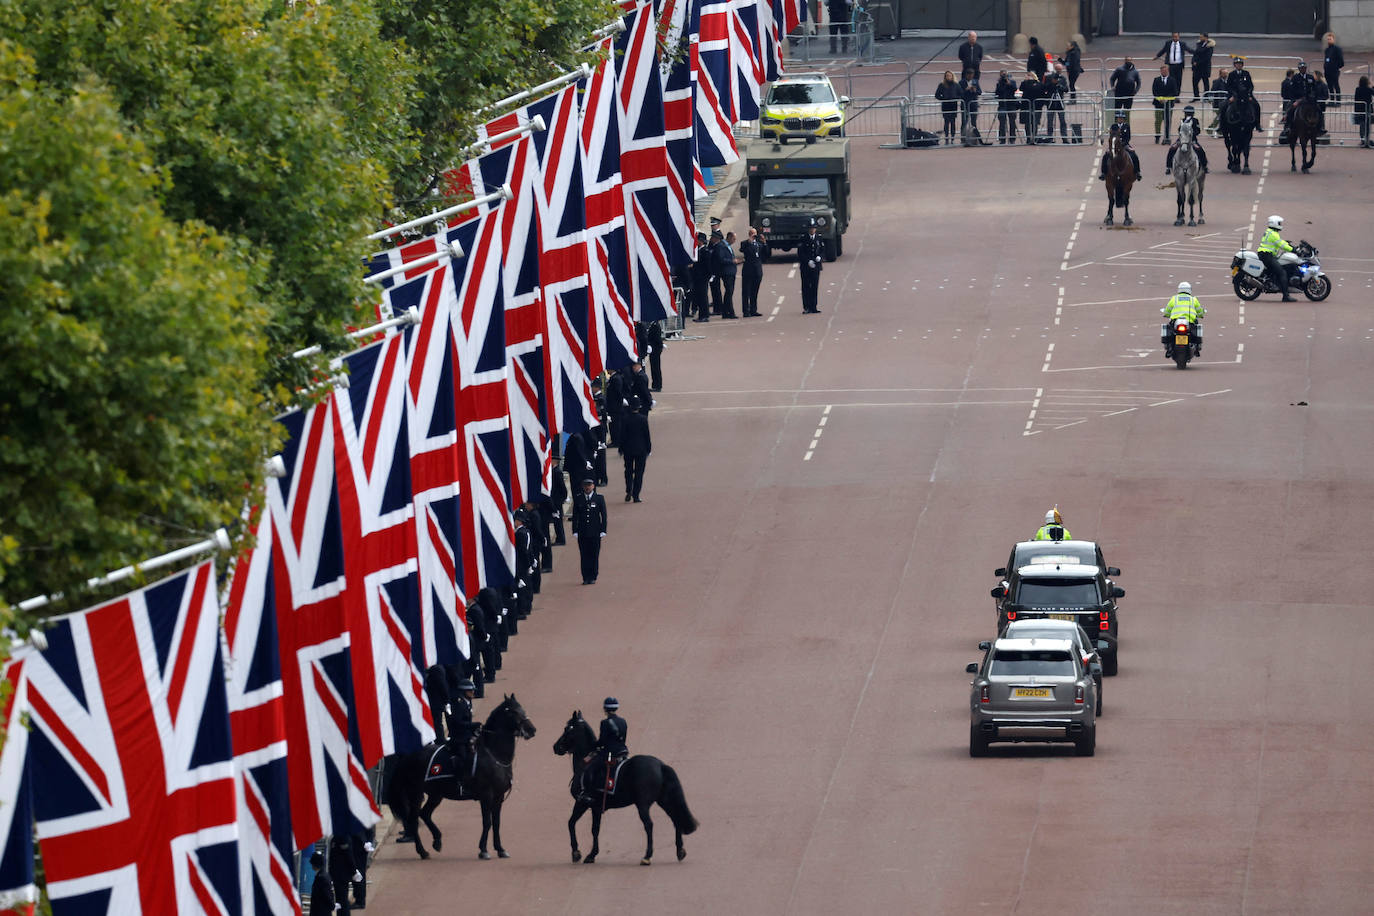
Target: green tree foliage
(130,348)
(187,187)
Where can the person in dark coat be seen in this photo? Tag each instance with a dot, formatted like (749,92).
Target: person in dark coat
(525,562)
(1331,66)
(1239,83)
(1216,94)
(1032,105)
(1073,67)
(637,386)
(362,855)
(635,448)
(701,280)
(539,542)
(342,870)
(969,92)
(1036,62)
(1364,102)
(577,461)
(1055,87)
(1165,92)
(1173,52)
(482,644)
(654,347)
(947,94)
(593,438)
(1007,106)
(840,15)
(971,56)
(589,527)
(321,887)
(727,270)
(436,692)
(558,497)
(713,271)
(1202,63)
(613,391)
(462,743)
(751,252)
(1125,83)
(494,610)
(610,746)
(642,340)
(810,260)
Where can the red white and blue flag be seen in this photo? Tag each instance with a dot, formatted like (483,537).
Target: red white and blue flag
(713,81)
(382,600)
(748,50)
(328,781)
(130,755)
(679,119)
(257,718)
(18,894)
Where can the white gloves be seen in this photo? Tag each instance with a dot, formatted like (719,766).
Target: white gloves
(811,263)
(357,875)
(603,534)
(448,709)
(519,583)
(368,847)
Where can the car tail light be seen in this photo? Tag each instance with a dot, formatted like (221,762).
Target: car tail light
(1103,620)
(983,697)
(1078,695)
(1181,328)
(1011,615)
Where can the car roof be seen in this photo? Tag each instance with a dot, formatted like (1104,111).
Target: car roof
(1051,570)
(1019,643)
(1041,623)
(811,76)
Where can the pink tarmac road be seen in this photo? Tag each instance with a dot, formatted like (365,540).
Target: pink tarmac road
(787,615)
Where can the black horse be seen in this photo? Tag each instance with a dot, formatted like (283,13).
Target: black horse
(641,781)
(1304,126)
(1238,120)
(490,782)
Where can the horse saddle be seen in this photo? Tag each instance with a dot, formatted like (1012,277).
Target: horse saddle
(443,765)
(599,778)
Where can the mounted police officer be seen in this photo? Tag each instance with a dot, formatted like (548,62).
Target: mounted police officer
(1189,115)
(610,747)
(1184,306)
(1053,529)
(1123,126)
(1239,85)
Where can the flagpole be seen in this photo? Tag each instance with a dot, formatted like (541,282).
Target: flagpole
(409,317)
(445,249)
(218,541)
(583,72)
(535,123)
(502,193)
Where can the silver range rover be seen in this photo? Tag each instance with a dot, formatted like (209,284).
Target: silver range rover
(1032,690)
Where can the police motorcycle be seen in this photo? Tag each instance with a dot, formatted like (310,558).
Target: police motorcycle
(1249,279)
(1182,341)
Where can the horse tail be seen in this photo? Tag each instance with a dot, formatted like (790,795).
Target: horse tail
(672,800)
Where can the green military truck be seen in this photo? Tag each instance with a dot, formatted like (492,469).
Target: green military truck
(793,181)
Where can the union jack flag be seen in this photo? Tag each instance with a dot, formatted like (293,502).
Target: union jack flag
(329,789)
(679,119)
(652,201)
(130,755)
(713,80)
(563,261)
(17,890)
(611,334)
(382,600)
(436,482)
(747,49)
(513,163)
(257,720)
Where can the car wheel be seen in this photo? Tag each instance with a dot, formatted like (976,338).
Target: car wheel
(1086,745)
(977,742)
(1109,664)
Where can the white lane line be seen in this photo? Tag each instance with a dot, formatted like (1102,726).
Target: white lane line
(1035,405)
(824,420)
(1124,254)
(814,443)
(1117,413)
(1242,314)
(1049,355)
(1074,305)
(1240,351)
(820,431)
(1208,394)
(773,314)
(1074,423)
(780,298)
(826,412)
(1066,266)
(807,456)
(1162,403)
(792,274)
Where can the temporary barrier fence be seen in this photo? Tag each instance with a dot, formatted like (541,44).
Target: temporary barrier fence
(996,121)
(854,44)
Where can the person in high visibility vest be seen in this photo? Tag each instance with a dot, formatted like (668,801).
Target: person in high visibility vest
(1269,248)
(1053,529)
(1184,306)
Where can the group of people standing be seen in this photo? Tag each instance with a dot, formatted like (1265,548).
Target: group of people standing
(1038,98)
(709,282)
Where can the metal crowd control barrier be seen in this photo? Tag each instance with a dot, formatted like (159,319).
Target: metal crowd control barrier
(874,117)
(820,46)
(1082,121)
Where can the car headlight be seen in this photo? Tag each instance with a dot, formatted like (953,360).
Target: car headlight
(771,119)
(766,221)
(834,119)
(820,221)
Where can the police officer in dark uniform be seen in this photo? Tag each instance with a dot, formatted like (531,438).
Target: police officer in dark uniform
(526,563)
(752,250)
(342,870)
(589,527)
(1189,115)
(462,741)
(1239,84)
(810,257)
(610,746)
(701,279)
(727,269)
(654,344)
(637,386)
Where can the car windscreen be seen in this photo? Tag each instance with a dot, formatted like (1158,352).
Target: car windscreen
(800,94)
(794,188)
(1057,593)
(1031,662)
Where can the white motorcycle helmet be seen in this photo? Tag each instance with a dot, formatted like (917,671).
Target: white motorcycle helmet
(1185,287)
(1276,222)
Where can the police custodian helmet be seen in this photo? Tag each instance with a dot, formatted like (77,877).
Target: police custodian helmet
(466,684)
(611,703)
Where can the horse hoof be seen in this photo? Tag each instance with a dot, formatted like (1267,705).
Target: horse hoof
(1107,222)
(438,844)
(423,854)
(590,860)
(1179,221)
(1245,171)
(577,856)
(1306,171)
(1192,222)
(681,854)
(645,862)
(502,854)
(483,856)
(1201,221)
(1127,222)
(1292,168)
